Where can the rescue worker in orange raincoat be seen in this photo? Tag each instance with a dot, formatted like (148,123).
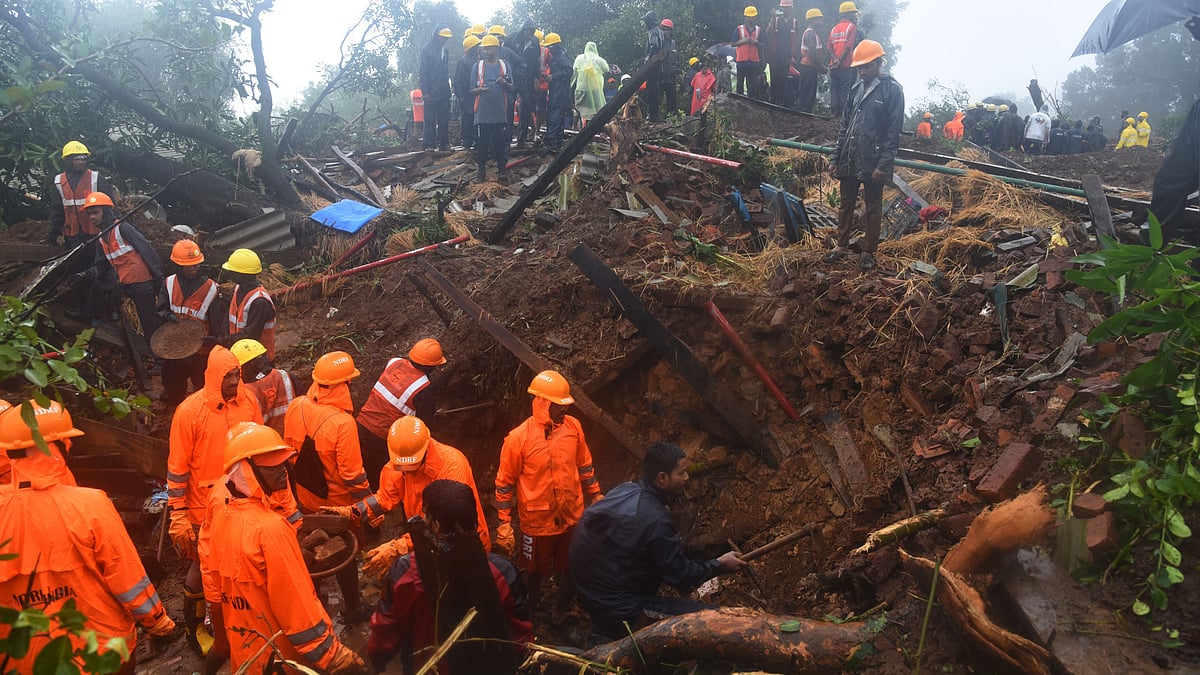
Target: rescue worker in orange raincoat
(251,309)
(255,572)
(190,296)
(274,388)
(546,466)
(197,447)
(925,128)
(404,388)
(953,130)
(416,459)
(328,470)
(124,260)
(70,544)
(71,187)
(65,476)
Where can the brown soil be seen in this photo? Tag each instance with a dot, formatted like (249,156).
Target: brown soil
(1133,169)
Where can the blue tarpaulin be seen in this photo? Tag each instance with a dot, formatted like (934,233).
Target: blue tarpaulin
(346,215)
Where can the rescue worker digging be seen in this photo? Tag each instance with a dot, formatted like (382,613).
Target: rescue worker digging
(328,470)
(255,571)
(273,388)
(70,546)
(546,466)
(199,431)
(190,296)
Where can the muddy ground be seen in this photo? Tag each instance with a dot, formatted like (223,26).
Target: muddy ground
(889,347)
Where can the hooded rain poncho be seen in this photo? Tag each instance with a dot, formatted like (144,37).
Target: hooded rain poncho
(588,81)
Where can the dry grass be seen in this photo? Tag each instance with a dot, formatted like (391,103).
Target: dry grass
(949,249)
(460,222)
(974,155)
(129,312)
(402,241)
(314,202)
(485,191)
(403,198)
(802,162)
(980,200)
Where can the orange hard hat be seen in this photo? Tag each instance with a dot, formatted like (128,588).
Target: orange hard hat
(186,252)
(334,368)
(53,421)
(551,386)
(928,116)
(249,439)
(427,352)
(407,441)
(97,199)
(866,52)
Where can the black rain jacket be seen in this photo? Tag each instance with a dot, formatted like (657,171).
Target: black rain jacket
(870,133)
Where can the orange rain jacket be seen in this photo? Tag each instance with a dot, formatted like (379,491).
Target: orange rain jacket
(953,129)
(549,467)
(256,574)
(323,414)
(76,541)
(199,432)
(441,462)
(925,129)
(65,477)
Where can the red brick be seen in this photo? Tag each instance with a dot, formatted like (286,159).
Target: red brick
(1004,437)
(1106,350)
(1088,505)
(1102,533)
(1055,407)
(1016,462)
(1055,280)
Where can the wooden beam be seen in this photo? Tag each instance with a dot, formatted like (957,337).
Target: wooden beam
(376,193)
(1101,222)
(332,194)
(847,452)
(574,147)
(656,205)
(138,451)
(719,396)
(536,362)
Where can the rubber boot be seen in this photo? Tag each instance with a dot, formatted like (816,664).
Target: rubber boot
(194,609)
(353,611)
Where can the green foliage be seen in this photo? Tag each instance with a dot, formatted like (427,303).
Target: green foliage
(1152,493)
(946,100)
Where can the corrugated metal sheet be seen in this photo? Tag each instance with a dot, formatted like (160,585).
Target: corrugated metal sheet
(268,232)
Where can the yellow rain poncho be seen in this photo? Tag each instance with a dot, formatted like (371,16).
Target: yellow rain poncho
(588,81)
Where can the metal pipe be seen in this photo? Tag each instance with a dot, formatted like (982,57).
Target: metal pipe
(936,168)
(691,155)
(366,239)
(745,352)
(370,266)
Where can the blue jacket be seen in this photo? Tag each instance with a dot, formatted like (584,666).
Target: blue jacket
(624,547)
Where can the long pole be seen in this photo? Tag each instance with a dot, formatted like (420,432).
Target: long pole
(736,339)
(781,542)
(692,155)
(370,266)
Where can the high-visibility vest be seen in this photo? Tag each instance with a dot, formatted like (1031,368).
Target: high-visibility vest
(841,44)
(237,318)
(274,393)
(543,78)
(480,84)
(130,267)
(194,306)
(73,197)
(391,397)
(746,52)
(925,130)
(418,106)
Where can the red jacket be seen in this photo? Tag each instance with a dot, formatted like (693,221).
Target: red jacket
(404,623)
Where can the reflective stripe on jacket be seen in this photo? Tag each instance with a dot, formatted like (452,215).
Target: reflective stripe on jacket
(274,393)
(194,306)
(392,396)
(238,315)
(842,41)
(747,52)
(127,262)
(73,197)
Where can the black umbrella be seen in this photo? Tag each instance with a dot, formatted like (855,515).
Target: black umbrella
(1122,21)
(721,49)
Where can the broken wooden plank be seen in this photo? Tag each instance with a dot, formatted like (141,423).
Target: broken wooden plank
(655,204)
(847,452)
(575,146)
(678,354)
(322,182)
(1098,204)
(829,463)
(909,192)
(533,360)
(376,194)
(137,451)
(424,289)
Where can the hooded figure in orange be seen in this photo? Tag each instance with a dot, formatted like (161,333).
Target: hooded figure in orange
(328,470)
(416,460)
(197,448)
(254,571)
(70,543)
(953,130)
(546,465)
(65,476)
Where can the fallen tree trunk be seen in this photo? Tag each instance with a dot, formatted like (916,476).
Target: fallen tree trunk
(742,637)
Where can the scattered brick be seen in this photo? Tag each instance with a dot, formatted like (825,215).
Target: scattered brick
(1102,533)
(1016,463)
(1088,505)
(1004,437)
(789,290)
(1054,409)
(779,319)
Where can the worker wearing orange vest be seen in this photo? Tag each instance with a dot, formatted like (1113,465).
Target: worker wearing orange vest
(416,459)
(842,40)
(125,260)
(328,470)
(196,448)
(70,546)
(190,296)
(274,388)
(71,187)
(255,575)
(746,42)
(925,127)
(403,389)
(546,466)
(251,310)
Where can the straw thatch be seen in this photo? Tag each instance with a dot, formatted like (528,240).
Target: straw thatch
(980,200)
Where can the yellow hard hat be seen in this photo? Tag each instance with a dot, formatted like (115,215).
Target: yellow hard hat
(847,7)
(693,61)
(469,42)
(750,12)
(478,29)
(539,34)
(497,30)
(813,14)
(1003,107)
(445,32)
(1143,114)
(552,39)
(246,350)
(243,261)
(991,107)
(74,148)
(866,52)
(490,40)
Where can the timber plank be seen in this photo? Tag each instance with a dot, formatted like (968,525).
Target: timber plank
(138,451)
(847,452)
(376,193)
